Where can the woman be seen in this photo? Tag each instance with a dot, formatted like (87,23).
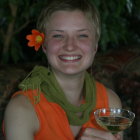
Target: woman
(65,96)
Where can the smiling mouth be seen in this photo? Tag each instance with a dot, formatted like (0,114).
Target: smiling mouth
(70,58)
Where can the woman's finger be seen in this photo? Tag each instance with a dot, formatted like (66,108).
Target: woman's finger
(100,134)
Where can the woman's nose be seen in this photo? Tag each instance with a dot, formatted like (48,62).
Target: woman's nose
(70,44)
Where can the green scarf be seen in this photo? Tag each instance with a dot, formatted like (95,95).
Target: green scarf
(44,81)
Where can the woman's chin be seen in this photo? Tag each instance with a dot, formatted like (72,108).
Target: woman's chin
(70,71)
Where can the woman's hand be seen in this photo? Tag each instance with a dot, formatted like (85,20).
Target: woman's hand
(94,134)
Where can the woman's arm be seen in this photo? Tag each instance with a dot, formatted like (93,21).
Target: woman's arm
(94,134)
(20,120)
(114,100)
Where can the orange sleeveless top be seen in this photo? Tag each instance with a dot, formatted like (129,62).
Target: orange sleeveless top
(53,120)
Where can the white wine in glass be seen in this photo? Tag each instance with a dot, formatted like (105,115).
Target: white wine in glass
(114,119)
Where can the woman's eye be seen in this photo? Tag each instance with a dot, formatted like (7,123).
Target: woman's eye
(58,36)
(83,35)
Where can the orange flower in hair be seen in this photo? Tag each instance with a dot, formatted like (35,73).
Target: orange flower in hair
(36,39)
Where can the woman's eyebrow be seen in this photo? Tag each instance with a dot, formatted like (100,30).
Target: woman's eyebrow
(55,30)
(80,30)
(62,31)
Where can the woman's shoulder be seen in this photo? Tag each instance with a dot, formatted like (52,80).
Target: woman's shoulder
(114,100)
(20,111)
(108,95)
(19,101)
(18,106)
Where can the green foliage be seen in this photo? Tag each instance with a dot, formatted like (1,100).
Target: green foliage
(114,23)
(17,18)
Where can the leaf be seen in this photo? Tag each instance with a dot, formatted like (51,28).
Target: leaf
(129,6)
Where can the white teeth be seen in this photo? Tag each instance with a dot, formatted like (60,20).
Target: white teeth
(70,57)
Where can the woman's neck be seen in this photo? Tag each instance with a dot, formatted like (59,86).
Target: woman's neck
(72,86)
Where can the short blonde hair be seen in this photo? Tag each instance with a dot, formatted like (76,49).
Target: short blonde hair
(86,6)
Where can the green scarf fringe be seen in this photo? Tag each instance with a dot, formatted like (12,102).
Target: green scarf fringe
(44,81)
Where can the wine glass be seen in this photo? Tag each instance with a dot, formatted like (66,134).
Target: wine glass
(114,119)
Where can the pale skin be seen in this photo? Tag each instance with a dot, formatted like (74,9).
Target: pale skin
(71,47)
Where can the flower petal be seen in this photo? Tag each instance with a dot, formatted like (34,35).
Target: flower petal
(34,31)
(30,37)
(30,43)
(37,46)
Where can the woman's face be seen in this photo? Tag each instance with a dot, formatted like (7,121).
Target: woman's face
(70,44)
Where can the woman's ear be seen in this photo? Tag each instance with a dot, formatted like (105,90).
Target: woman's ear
(95,48)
